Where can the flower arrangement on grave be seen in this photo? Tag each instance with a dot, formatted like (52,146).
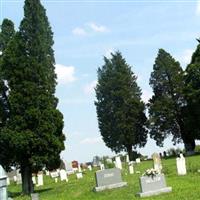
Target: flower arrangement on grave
(151,172)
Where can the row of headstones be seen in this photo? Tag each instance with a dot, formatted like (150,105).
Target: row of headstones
(180,164)
(62,174)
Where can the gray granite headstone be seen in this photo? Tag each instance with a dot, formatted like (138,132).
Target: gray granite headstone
(108,179)
(153,185)
(3,184)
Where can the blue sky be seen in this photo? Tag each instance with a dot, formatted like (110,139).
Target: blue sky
(85,31)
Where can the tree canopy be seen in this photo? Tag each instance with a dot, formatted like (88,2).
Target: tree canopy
(120,110)
(34,129)
(167,107)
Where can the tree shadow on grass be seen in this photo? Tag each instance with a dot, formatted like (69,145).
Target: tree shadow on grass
(17,194)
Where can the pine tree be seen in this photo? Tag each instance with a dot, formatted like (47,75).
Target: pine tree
(192,81)
(167,107)
(120,111)
(6,34)
(34,130)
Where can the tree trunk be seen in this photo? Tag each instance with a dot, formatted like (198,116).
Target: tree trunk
(130,152)
(27,184)
(189,146)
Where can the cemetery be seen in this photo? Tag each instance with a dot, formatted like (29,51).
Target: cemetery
(77,122)
(121,184)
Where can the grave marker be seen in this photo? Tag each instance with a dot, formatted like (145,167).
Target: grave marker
(153,185)
(108,179)
(157,162)
(181,166)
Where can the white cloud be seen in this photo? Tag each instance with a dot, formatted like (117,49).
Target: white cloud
(94,140)
(89,88)
(98,28)
(185,57)
(79,31)
(198,8)
(65,74)
(146,95)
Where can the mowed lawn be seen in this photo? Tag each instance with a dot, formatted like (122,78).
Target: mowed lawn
(184,187)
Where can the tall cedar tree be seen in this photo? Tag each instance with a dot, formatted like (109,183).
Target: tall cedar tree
(192,80)
(33,132)
(120,111)
(167,107)
(6,34)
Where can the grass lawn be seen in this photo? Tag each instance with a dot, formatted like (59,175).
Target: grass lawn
(184,187)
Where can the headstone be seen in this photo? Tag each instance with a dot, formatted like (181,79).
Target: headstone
(131,169)
(153,185)
(8,181)
(12,174)
(3,184)
(96,161)
(19,177)
(90,167)
(34,180)
(79,175)
(47,172)
(137,160)
(69,168)
(40,179)
(108,179)
(34,196)
(127,158)
(157,162)
(118,163)
(54,174)
(181,166)
(56,180)
(79,169)
(15,179)
(63,175)
(102,167)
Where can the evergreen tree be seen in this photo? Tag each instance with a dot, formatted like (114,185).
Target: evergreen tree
(120,111)
(167,107)
(33,132)
(192,80)
(6,34)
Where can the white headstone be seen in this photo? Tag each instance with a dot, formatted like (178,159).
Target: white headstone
(181,166)
(56,180)
(131,170)
(40,180)
(127,159)
(157,162)
(3,184)
(79,168)
(90,167)
(102,167)
(118,163)
(137,160)
(19,178)
(47,172)
(54,174)
(34,180)
(79,175)
(8,181)
(63,175)
(15,178)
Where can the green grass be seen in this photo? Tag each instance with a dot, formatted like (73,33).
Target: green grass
(184,187)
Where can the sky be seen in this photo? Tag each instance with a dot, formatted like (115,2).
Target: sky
(87,30)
